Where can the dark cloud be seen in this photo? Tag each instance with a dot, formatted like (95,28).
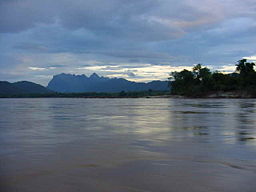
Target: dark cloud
(31,47)
(61,36)
(57,66)
(131,74)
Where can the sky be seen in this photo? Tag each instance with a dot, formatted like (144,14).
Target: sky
(140,40)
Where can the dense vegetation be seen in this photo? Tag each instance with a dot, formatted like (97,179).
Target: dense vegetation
(201,81)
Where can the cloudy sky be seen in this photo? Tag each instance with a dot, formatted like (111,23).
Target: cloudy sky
(140,40)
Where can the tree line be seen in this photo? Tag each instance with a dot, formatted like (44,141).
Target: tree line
(201,81)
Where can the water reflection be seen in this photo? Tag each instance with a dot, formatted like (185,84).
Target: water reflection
(84,142)
(246,125)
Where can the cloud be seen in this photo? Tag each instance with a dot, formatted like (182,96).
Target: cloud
(130,73)
(251,58)
(37,68)
(227,69)
(117,37)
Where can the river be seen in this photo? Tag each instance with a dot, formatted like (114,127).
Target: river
(127,145)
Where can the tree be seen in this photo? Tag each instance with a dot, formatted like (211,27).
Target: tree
(244,68)
(201,81)
(247,73)
(182,81)
(196,70)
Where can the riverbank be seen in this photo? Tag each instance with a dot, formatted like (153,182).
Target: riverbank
(122,94)
(151,94)
(210,95)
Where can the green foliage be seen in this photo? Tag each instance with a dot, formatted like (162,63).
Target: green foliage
(201,80)
(245,68)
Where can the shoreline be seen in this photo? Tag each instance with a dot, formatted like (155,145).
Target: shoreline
(156,94)
(144,97)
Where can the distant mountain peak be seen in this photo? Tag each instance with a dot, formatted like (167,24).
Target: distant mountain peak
(94,76)
(68,83)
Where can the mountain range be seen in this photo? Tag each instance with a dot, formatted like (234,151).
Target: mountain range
(68,83)
(22,87)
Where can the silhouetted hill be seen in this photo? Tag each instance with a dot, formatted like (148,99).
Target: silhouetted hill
(8,88)
(68,83)
(22,87)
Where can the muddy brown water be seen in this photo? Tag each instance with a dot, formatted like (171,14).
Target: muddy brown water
(128,145)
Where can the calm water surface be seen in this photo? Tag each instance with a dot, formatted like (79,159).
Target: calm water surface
(127,145)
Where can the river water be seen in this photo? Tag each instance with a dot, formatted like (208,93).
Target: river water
(127,145)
